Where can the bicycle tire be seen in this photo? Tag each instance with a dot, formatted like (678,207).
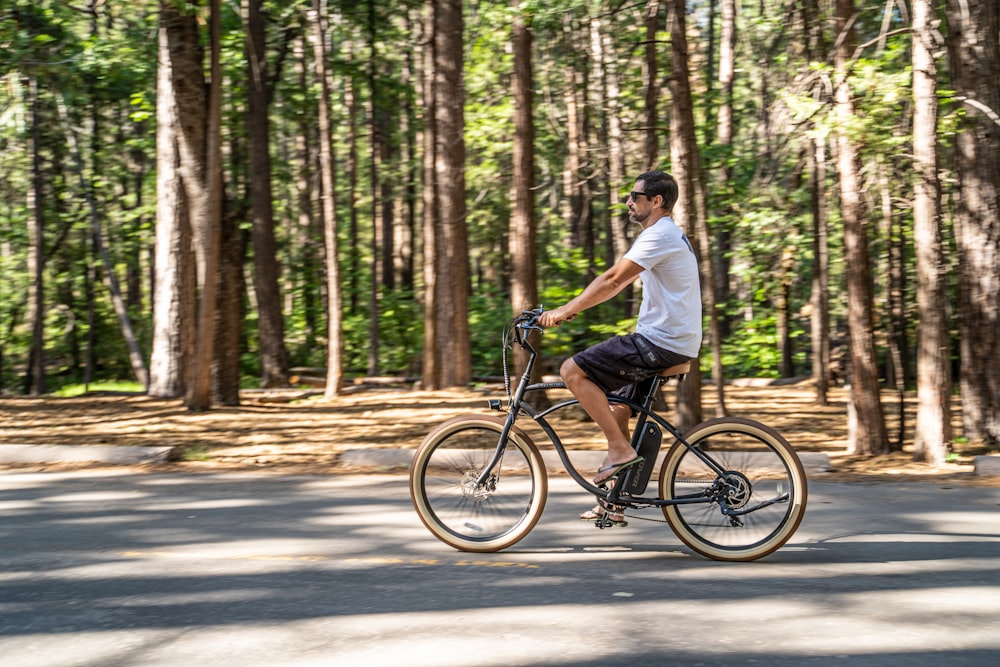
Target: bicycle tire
(493,516)
(761,469)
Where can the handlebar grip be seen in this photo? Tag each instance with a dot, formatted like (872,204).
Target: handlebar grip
(528,321)
(529,318)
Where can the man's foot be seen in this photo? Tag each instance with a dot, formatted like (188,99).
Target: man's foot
(612,469)
(597,512)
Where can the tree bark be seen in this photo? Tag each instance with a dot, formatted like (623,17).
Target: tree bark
(353,251)
(173,264)
(897,359)
(866,433)
(725,131)
(34,380)
(270,320)
(207,226)
(431,359)
(651,87)
(447,293)
(226,369)
(974,50)
(522,230)
(335,338)
(608,128)
(820,289)
(933,428)
(685,166)
(576,172)
(817,162)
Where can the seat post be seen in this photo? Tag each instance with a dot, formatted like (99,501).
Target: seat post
(654,386)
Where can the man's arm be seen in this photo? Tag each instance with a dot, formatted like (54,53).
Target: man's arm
(600,289)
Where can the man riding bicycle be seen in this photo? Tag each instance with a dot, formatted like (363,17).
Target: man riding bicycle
(668,329)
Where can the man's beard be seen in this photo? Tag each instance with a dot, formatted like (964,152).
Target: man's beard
(635,218)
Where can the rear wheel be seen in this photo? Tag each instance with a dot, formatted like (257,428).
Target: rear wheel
(752,508)
(484,517)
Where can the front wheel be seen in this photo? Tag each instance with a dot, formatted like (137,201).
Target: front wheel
(489,516)
(748,510)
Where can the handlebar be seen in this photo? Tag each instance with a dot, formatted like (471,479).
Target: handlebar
(519,328)
(526,322)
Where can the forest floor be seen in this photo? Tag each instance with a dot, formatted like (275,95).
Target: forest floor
(297,431)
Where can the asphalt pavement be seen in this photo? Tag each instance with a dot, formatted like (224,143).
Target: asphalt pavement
(107,568)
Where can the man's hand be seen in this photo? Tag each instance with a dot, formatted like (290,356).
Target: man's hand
(553,318)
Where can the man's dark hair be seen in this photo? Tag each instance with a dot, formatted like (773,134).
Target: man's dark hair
(660,183)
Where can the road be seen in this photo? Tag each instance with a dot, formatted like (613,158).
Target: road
(107,568)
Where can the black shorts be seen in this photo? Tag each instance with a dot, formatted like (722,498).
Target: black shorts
(624,364)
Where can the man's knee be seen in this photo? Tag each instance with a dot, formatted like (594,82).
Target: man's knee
(569,370)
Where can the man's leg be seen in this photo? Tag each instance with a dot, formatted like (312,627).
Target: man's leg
(613,423)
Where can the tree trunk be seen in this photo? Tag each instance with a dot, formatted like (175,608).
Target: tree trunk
(933,428)
(34,380)
(784,316)
(726,129)
(522,231)
(270,321)
(305,189)
(408,230)
(576,172)
(335,339)
(684,161)
(229,312)
(868,435)
(446,317)
(897,357)
(379,276)
(820,290)
(207,226)
(353,250)
(431,359)
(651,87)
(174,267)
(820,287)
(616,148)
(974,50)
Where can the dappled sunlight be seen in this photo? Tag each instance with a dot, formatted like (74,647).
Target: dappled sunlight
(218,565)
(291,431)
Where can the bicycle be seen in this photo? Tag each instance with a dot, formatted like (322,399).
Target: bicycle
(731,489)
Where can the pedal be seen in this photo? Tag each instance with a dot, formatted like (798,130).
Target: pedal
(605,520)
(648,449)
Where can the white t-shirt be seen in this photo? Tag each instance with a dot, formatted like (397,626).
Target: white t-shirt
(670,314)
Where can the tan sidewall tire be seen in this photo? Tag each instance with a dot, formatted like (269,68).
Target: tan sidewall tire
(536,469)
(788,456)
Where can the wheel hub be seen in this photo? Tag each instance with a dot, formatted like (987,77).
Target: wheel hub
(736,490)
(475,491)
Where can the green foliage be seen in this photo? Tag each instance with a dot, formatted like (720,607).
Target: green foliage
(752,350)
(488,315)
(103,68)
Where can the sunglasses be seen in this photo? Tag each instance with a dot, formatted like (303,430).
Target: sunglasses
(634,196)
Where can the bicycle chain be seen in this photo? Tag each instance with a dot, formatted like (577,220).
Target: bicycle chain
(604,505)
(643,518)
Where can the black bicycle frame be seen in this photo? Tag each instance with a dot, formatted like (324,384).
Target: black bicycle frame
(517,405)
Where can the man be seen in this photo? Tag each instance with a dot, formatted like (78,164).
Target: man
(668,330)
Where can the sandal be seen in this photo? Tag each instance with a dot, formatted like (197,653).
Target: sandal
(613,470)
(597,513)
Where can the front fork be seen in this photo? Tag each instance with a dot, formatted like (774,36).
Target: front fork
(512,409)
